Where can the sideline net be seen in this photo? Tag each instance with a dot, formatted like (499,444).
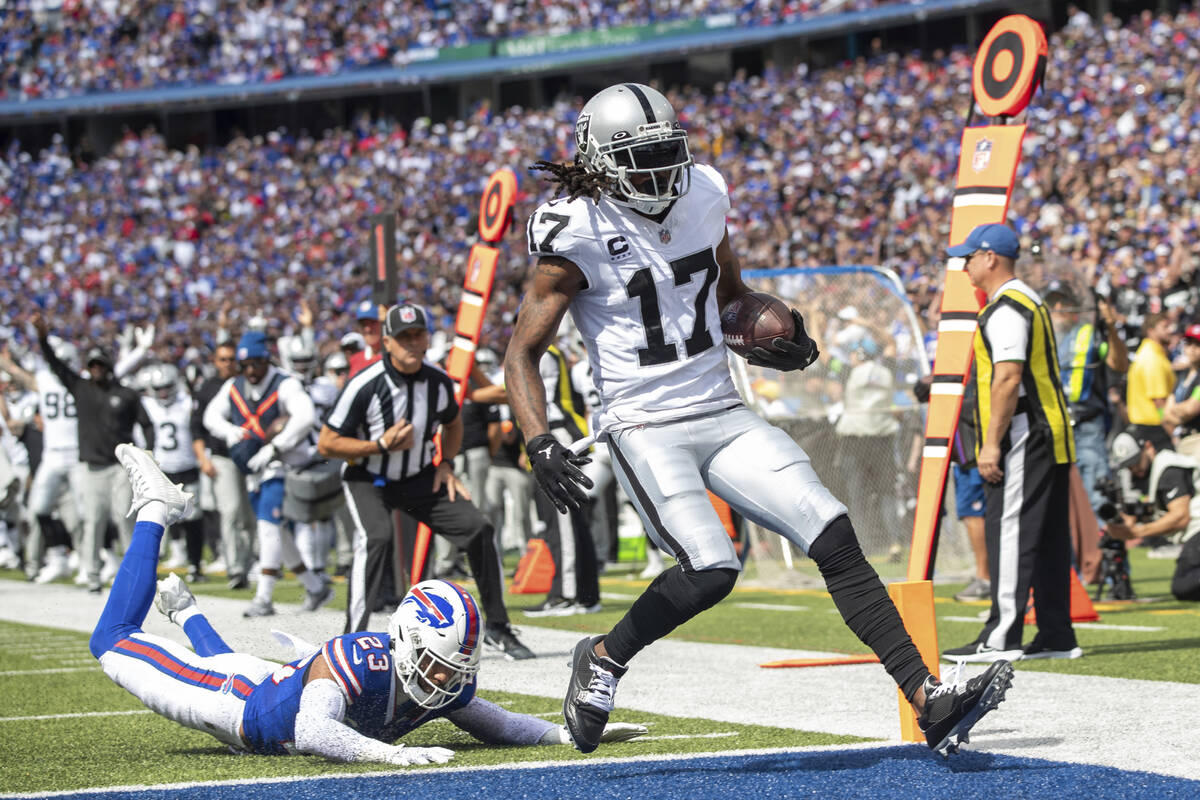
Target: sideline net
(855,415)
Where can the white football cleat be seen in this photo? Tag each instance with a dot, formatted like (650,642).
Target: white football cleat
(173,596)
(149,483)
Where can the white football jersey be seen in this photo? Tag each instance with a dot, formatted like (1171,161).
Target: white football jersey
(60,425)
(172,432)
(648,314)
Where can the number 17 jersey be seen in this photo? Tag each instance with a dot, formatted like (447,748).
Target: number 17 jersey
(648,313)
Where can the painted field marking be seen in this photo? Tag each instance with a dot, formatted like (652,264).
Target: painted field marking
(78,716)
(15,672)
(720,735)
(771,607)
(1096,626)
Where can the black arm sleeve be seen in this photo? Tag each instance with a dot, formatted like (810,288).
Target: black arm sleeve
(143,419)
(65,374)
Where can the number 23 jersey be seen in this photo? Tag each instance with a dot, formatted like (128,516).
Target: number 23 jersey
(361,664)
(648,314)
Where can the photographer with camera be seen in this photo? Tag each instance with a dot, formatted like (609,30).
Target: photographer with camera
(1168,480)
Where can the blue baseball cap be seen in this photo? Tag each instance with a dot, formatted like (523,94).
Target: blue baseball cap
(253,344)
(995,236)
(366,310)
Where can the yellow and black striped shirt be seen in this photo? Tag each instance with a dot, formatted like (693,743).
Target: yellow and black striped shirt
(1043,398)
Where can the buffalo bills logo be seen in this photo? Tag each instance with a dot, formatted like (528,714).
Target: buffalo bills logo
(431,609)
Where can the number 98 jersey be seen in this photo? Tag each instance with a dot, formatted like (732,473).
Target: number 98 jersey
(648,314)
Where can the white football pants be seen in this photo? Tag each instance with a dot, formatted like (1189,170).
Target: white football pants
(752,465)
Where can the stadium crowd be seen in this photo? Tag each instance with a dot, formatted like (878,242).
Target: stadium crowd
(57,48)
(848,165)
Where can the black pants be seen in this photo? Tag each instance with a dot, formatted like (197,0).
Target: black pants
(569,538)
(1027,524)
(459,521)
(1185,584)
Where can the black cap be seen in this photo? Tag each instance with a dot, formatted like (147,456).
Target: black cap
(402,317)
(98,355)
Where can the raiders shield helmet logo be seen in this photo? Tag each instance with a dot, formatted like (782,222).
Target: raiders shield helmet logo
(582,127)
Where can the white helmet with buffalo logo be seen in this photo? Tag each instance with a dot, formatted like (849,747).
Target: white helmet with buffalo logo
(629,132)
(436,628)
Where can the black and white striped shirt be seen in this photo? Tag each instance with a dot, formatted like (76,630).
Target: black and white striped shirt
(375,398)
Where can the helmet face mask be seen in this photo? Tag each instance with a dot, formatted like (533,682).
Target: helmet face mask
(435,632)
(629,133)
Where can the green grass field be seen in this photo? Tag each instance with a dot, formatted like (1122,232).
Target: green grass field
(55,699)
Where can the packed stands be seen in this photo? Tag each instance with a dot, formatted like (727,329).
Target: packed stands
(848,165)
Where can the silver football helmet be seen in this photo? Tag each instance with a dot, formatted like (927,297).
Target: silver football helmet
(299,356)
(630,133)
(163,381)
(436,629)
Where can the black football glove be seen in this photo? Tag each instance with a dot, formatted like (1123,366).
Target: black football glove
(557,472)
(786,356)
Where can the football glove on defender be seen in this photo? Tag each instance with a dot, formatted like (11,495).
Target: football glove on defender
(798,353)
(557,472)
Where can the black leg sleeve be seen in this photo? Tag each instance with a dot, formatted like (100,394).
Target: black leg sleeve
(670,600)
(865,606)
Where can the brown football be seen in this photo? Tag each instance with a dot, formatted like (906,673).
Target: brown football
(754,320)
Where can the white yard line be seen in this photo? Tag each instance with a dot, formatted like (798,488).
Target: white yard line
(1095,626)
(79,715)
(771,607)
(50,671)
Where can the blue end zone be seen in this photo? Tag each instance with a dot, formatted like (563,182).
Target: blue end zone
(896,773)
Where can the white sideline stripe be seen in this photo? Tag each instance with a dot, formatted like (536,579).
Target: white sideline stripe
(721,735)
(771,607)
(1100,626)
(1096,626)
(15,672)
(78,716)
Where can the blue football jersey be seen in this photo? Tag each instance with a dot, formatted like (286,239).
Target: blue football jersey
(361,664)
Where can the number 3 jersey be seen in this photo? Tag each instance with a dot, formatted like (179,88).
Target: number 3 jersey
(361,664)
(648,314)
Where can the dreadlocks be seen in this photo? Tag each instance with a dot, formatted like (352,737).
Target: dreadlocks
(573,180)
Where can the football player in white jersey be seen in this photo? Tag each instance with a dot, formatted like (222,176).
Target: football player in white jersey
(56,482)
(169,407)
(638,252)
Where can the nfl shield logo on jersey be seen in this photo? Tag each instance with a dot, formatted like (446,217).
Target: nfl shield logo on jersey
(664,235)
(982,156)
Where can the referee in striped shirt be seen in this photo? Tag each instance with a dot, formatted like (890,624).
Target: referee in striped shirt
(383,425)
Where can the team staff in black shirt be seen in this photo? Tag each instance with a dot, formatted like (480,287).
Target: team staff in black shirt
(383,425)
(107,413)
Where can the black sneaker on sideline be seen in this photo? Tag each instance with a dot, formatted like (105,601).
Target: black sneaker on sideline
(504,639)
(551,607)
(591,695)
(952,709)
(979,653)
